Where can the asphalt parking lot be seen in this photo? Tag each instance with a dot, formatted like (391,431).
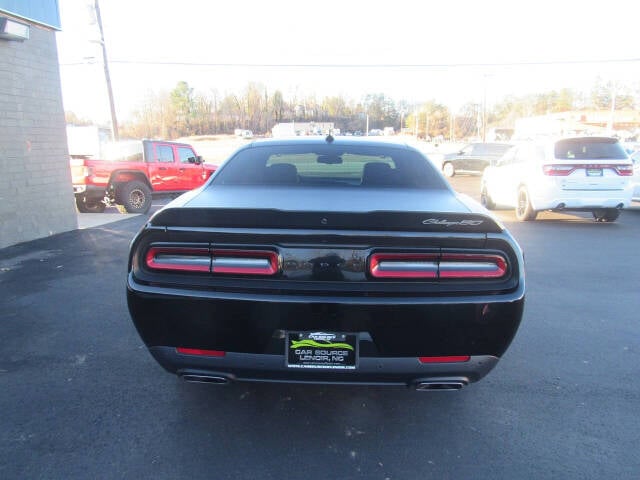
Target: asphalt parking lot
(82,398)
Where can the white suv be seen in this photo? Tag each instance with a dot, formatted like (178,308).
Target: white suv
(578,173)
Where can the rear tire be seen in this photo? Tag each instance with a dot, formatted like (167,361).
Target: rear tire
(486,200)
(524,210)
(135,197)
(606,214)
(89,206)
(449,170)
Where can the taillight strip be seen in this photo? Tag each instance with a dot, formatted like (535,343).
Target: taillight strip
(563,170)
(225,261)
(444,266)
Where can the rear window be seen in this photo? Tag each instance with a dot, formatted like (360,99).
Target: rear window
(589,149)
(331,165)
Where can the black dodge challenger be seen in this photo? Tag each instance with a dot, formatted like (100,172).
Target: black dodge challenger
(326,260)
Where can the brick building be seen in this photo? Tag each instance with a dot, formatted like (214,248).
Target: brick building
(36,196)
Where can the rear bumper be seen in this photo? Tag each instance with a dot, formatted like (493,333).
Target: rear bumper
(581,199)
(91,192)
(392,334)
(235,367)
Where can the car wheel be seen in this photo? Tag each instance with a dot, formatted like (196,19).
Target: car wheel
(606,214)
(135,197)
(486,200)
(448,169)
(89,206)
(524,210)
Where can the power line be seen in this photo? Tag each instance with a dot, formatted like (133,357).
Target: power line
(369,65)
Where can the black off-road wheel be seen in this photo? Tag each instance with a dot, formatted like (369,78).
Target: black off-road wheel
(524,210)
(89,206)
(135,197)
(606,214)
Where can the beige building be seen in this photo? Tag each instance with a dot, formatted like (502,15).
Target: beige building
(581,122)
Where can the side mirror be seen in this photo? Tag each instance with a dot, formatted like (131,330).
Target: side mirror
(196,160)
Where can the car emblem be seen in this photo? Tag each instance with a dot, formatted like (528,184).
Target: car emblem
(447,223)
(324,221)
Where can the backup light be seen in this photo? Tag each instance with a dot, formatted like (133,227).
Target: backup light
(245,262)
(404,265)
(179,259)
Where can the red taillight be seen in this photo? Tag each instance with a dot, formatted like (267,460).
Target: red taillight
(179,259)
(201,259)
(558,170)
(200,352)
(624,170)
(564,170)
(437,266)
(445,359)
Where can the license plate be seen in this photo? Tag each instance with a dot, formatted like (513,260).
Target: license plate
(594,172)
(322,350)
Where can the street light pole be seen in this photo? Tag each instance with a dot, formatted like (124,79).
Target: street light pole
(114,120)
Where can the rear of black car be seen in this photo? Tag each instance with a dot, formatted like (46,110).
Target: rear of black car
(319,282)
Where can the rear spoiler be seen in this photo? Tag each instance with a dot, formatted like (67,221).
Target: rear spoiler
(370,221)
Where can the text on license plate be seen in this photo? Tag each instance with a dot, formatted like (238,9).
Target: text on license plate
(322,350)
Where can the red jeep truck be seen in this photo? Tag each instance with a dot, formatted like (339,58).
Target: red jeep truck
(161,168)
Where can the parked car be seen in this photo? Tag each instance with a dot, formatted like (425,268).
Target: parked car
(299,261)
(473,158)
(635,158)
(160,168)
(580,173)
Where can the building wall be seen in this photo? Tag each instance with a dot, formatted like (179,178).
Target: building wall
(36,197)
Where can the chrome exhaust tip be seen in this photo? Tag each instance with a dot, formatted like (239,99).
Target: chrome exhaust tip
(440,385)
(200,378)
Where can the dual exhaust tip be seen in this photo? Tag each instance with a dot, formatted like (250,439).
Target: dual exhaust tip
(440,385)
(204,378)
(431,385)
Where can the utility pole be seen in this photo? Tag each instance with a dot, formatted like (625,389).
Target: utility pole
(612,113)
(114,120)
(484,110)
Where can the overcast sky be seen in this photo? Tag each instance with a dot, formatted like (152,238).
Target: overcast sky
(461,50)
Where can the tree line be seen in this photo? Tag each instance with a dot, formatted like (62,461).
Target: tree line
(184,112)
